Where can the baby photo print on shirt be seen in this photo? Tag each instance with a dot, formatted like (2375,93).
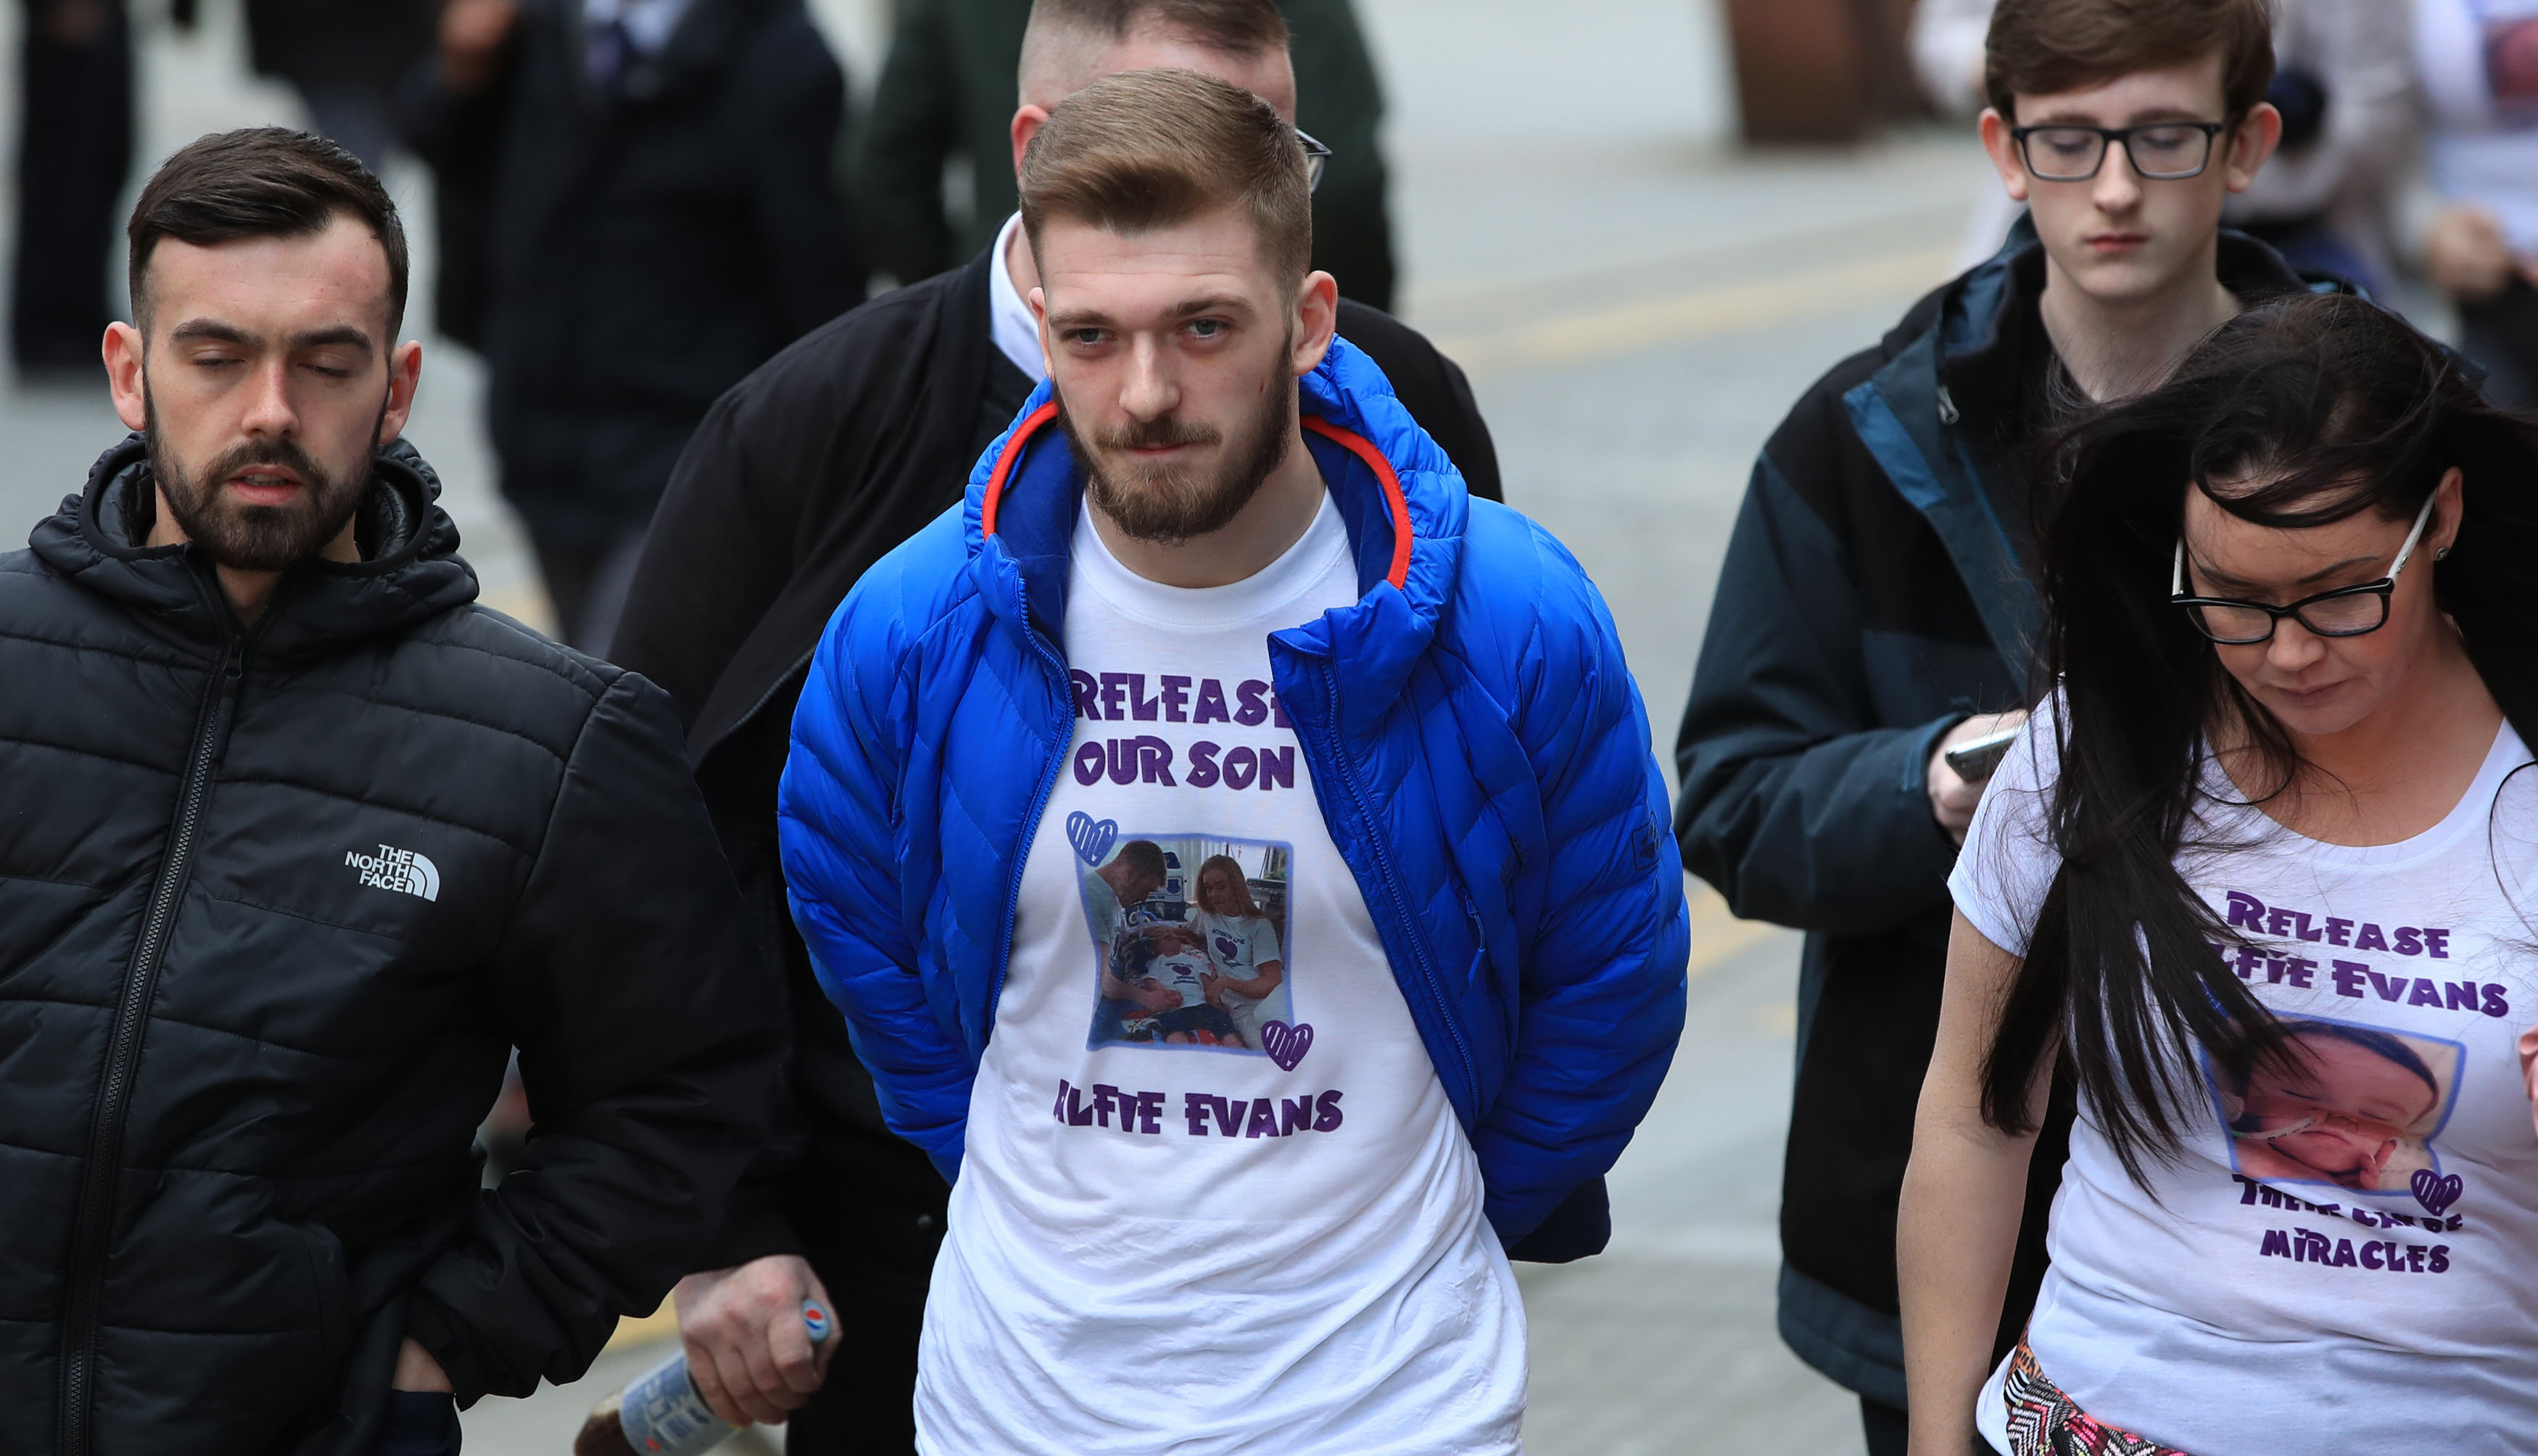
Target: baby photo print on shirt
(1189,941)
(2358,1107)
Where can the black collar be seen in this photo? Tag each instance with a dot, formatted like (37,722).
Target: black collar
(409,568)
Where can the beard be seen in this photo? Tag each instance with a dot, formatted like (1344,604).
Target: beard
(1173,504)
(257,538)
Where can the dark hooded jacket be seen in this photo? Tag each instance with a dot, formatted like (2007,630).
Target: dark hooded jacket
(276,901)
(1876,592)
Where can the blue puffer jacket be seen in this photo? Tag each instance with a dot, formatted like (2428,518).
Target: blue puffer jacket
(1475,742)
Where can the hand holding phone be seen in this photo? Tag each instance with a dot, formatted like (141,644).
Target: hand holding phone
(1976,759)
(1967,755)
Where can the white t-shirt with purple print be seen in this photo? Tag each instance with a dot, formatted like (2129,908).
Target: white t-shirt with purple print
(1187,1219)
(2342,1258)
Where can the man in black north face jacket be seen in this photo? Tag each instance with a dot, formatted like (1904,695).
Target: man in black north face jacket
(296,844)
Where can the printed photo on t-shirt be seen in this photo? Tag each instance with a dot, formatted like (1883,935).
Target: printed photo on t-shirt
(2357,1106)
(1189,938)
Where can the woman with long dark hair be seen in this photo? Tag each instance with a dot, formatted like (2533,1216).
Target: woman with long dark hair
(2255,888)
(1247,962)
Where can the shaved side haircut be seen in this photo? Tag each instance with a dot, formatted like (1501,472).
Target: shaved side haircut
(1061,44)
(1153,148)
(1240,27)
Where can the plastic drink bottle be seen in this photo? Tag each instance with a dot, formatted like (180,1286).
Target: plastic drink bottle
(660,1413)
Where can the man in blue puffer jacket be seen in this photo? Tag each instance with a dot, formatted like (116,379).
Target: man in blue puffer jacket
(1237,851)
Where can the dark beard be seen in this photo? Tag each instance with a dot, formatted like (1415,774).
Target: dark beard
(1173,503)
(255,538)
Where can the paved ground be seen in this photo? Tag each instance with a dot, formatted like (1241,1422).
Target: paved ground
(1636,306)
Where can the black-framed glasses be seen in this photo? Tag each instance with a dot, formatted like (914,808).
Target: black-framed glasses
(2346,612)
(2162,151)
(1317,157)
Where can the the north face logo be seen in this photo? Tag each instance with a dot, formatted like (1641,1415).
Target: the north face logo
(400,869)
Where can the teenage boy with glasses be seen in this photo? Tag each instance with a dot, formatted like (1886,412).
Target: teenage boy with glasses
(1875,607)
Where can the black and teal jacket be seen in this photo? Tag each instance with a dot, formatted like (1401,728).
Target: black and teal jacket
(1876,592)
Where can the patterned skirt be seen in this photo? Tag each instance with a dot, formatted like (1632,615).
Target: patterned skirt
(2043,1420)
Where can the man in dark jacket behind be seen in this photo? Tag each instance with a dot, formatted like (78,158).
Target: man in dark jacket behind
(944,93)
(1875,605)
(836,451)
(663,217)
(74,153)
(296,844)
(346,61)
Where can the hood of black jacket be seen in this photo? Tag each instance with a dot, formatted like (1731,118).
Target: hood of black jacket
(409,568)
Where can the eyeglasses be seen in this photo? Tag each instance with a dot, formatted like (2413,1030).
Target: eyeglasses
(2163,151)
(2346,612)
(1316,158)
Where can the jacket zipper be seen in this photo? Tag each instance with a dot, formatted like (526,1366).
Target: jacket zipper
(122,1057)
(1401,915)
(1065,739)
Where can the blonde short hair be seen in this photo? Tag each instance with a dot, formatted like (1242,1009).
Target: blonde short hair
(1143,150)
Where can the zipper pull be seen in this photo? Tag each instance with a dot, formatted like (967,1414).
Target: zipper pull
(1947,407)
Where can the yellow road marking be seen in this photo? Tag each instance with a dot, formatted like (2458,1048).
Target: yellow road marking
(1700,314)
(1718,936)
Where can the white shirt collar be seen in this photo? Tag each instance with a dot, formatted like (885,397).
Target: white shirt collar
(1016,331)
(647,22)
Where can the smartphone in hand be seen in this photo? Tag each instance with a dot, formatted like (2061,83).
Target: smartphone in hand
(1974,759)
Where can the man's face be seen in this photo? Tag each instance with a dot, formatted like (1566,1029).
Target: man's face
(1130,885)
(2118,236)
(1175,357)
(266,383)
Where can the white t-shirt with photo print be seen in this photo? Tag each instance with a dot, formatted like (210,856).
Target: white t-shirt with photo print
(2340,1259)
(1165,1240)
(1181,971)
(1240,943)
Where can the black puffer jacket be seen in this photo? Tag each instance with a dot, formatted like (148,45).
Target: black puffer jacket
(274,904)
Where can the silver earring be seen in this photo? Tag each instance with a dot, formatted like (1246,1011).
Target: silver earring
(2441,554)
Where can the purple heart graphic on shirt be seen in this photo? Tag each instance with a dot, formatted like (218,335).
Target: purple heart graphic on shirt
(2437,1193)
(1286,1045)
(1090,839)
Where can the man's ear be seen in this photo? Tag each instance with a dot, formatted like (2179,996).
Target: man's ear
(405,371)
(1027,124)
(2252,144)
(1317,321)
(123,356)
(2003,149)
